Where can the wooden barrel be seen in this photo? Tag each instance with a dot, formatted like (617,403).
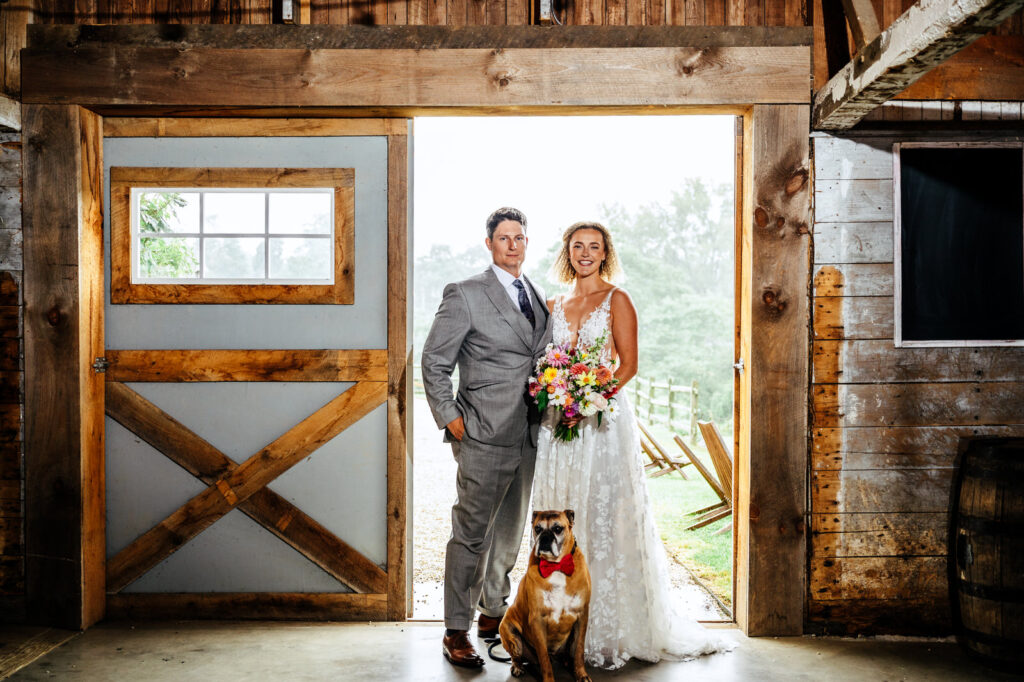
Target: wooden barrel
(987,553)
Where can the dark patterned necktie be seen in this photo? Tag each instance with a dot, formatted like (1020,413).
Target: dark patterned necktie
(524,302)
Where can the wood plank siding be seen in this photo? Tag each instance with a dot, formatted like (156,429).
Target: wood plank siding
(474,13)
(886,421)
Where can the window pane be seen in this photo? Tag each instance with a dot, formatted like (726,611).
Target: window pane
(300,258)
(176,257)
(300,213)
(233,258)
(234,212)
(169,212)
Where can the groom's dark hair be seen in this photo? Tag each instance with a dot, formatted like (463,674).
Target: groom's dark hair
(505,213)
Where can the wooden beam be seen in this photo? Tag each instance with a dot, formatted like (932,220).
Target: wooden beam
(10,114)
(270,510)
(860,15)
(206,77)
(399,468)
(63,293)
(241,483)
(335,37)
(246,365)
(921,38)
(248,127)
(771,470)
(248,605)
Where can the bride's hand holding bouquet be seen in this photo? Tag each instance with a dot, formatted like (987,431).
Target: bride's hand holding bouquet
(574,381)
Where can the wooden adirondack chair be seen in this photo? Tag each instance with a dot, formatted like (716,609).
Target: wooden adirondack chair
(661,462)
(720,481)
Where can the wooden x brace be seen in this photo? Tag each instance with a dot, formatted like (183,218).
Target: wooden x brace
(243,486)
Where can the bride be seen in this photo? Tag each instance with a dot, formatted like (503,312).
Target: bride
(601,477)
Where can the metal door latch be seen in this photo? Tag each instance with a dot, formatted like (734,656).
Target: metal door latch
(100,365)
(738,366)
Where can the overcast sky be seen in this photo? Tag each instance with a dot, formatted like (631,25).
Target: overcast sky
(557,170)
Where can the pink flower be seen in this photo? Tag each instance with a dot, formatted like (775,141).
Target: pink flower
(534,387)
(557,357)
(578,368)
(572,410)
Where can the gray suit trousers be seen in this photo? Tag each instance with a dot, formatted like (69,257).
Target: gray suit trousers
(493,487)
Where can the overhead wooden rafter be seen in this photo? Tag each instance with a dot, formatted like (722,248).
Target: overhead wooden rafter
(923,37)
(860,15)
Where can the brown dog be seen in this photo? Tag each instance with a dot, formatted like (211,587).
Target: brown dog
(549,615)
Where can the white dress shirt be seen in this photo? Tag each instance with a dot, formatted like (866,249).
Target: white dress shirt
(506,280)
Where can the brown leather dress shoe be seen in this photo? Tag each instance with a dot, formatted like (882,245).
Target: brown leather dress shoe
(487,627)
(459,651)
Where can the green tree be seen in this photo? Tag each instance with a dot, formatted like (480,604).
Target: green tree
(162,256)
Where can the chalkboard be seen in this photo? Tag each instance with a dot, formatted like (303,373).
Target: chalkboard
(961,238)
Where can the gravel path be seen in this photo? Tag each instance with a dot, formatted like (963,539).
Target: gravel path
(433,497)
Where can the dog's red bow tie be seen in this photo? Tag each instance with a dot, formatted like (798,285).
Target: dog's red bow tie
(566,565)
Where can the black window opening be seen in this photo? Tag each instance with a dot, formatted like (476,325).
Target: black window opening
(960,245)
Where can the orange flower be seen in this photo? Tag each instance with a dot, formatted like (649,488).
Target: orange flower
(603,375)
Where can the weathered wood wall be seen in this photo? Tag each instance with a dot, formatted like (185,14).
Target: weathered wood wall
(886,420)
(470,12)
(12,556)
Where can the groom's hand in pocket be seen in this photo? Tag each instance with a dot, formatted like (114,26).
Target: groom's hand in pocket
(457,428)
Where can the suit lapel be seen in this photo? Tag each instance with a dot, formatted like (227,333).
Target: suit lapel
(512,314)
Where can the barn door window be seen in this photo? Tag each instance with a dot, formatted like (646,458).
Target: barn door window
(959,244)
(231,235)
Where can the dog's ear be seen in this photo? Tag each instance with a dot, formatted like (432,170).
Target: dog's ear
(571,515)
(533,521)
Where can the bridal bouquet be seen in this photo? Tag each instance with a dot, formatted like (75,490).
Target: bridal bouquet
(573,380)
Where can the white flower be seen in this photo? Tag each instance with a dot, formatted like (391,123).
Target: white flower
(599,402)
(588,409)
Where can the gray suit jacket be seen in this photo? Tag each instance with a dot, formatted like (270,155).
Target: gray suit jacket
(479,329)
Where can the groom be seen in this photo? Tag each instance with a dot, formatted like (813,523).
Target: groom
(492,326)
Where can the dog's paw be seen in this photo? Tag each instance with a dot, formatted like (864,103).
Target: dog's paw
(519,671)
(584,678)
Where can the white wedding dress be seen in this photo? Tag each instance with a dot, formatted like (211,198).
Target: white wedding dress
(600,476)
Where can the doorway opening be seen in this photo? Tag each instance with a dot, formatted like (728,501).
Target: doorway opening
(665,186)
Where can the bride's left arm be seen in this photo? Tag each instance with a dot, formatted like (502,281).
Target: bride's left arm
(624,335)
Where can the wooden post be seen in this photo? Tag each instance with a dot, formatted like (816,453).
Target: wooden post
(771,471)
(64,445)
(399,382)
(650,398)
(671,405)
(693,412)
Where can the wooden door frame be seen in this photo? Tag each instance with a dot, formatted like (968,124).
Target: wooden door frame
(774,262)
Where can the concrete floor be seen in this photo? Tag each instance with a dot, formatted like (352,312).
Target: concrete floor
(224,651)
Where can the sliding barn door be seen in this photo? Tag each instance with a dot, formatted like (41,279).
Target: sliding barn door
(255,437)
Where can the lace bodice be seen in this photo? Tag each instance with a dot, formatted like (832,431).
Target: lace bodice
(594,325)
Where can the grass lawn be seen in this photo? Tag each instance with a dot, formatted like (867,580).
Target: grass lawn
(707,555)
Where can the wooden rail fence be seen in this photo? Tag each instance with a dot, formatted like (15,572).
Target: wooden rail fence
(667,403)
(654,402)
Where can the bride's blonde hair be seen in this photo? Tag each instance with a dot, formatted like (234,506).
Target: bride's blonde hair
(562,268)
